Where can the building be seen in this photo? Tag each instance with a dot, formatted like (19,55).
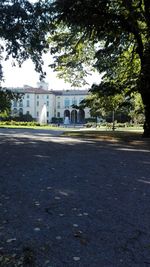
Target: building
(58,104)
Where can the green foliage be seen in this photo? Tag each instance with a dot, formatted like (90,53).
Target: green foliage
(100,103)
(57,120)
(112,36)
(19,123)
(24,27)
(4,115)
(5,100)
(73,55)
(90,120)
(119,34)
(24,118)
(23,35)
(137,109)
(106,98)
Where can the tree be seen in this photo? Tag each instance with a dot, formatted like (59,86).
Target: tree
(23,35)
(5,100)
(23,30)
(108,34)
(73,55)
(136,111)
(116,28)
(104,98)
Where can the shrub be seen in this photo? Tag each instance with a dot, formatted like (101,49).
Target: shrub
(89,120)
(57,120)
(19,123)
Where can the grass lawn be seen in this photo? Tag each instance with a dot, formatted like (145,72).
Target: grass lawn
(47,127)
(104,132)
(132,138)
(129,134)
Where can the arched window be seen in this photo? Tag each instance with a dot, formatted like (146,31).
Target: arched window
(20,111)
(15,112)
(67,113)
(74,116)
(81,116)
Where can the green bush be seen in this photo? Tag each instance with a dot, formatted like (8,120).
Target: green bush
(90,125)
(90,120)
(57,120)
(19,123)
(120,125)
(23,118)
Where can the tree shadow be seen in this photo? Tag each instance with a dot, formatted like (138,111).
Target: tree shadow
(54,187)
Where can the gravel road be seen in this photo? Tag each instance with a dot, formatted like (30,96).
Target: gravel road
(68,202)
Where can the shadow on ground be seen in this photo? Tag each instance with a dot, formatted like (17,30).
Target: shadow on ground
(68,202)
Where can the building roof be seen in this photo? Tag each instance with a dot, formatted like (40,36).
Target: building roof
(45,91)
(70,92)
(30,90)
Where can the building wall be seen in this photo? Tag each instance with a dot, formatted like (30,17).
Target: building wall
(39,101)
(57,102)
(66,101)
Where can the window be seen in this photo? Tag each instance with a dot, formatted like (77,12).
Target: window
(37,96)
(37,103)
(15,103)
(15,111)
(28,103)
(20,111)
(37,114)
(58,114)
(47,96)
(74,101)
(20,104)
(58,105)
(47,103)
(28,112)
(67,103)
(28,96)
(47,114)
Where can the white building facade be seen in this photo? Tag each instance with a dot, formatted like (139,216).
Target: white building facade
(58,104)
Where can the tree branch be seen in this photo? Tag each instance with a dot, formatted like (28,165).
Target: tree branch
(147,13)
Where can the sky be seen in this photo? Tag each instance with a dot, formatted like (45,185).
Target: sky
(26,75)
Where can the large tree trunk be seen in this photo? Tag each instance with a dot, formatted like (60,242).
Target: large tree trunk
(145,89)
(146,102)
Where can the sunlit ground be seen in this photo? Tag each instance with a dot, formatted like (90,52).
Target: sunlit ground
(73,127)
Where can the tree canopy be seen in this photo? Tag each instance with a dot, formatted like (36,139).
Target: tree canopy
(112,36)
(23,30)
(23,34)
(119,31)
